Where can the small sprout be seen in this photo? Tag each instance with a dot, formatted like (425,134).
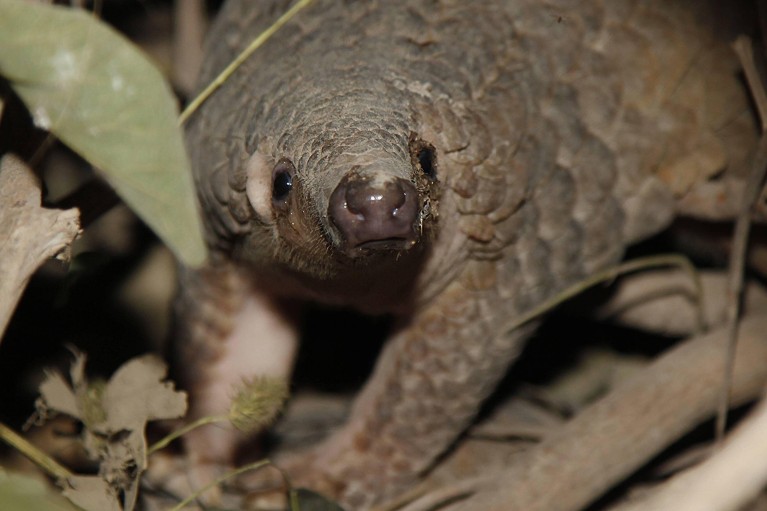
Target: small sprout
(257,402)
(91,404)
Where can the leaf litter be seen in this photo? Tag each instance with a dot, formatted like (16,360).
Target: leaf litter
(115,414)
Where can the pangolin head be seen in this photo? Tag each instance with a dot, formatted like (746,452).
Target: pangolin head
(338,179)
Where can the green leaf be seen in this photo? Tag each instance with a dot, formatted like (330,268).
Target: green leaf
(100,95)
(22,493)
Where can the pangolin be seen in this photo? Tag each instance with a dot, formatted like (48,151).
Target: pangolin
(450,163)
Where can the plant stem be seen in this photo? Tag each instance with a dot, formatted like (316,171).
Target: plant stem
(233,473)
(33,453)
(162,443)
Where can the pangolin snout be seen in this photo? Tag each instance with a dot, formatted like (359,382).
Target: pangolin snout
(373,215)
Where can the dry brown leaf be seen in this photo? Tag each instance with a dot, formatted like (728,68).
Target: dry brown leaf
(92,493)
(79,399)
(136,394)
(115,416)
(57,395)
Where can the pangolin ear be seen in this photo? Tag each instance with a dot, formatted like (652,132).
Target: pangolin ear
(424,156)
(259,185)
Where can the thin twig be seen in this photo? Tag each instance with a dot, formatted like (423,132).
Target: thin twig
(242,57)
(164,442)
(643,263)
(189,24)
(742,47)
(745,52)
(233,473)
(761,11)
(41,459)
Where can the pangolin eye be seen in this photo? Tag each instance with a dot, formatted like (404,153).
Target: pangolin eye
(282,180)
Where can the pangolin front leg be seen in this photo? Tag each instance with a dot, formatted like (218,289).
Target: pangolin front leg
(231,333)
(426,387)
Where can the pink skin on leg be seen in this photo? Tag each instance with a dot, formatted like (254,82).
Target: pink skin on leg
(262,342)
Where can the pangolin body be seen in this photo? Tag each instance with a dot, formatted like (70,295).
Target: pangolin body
(451,163)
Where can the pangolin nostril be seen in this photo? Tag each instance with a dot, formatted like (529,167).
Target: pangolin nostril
(366,213)
(369,201)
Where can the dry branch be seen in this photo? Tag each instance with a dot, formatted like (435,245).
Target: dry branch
(612,438)
(725,482)
(30,234)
